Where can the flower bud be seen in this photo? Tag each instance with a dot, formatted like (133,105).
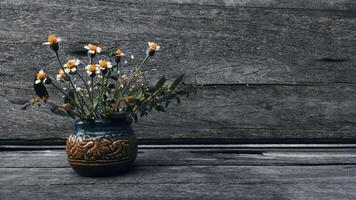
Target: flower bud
(152,48)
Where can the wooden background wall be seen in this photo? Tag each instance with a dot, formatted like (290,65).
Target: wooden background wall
(272,70)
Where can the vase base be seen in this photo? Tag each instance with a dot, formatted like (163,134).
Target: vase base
(101,169)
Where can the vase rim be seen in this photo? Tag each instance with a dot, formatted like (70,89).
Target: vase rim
(103,123)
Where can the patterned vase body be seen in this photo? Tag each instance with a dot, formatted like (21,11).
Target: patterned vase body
(101,147)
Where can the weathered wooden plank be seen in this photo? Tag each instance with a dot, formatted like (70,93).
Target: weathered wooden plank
(194,157)
(217,42)
(305,4)
(220,182)
(348,5)
(232,113)
(38,175)
(214,44)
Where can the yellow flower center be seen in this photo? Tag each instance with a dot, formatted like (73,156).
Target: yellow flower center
(52,39)
(70,64)
(91,68)
(118,52)
(92,47)
(153,45)
(41,76)
(103,64)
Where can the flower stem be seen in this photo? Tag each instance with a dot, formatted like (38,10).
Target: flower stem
(59,89)
(146,100)
(87,88)
(138,68)
(85,83)
(65,94)
(71,83)
(92,95)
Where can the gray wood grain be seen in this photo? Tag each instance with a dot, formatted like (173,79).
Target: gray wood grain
(194,157)
(297,56)
(215,44)
(184,176)
(184,182)
(216,113)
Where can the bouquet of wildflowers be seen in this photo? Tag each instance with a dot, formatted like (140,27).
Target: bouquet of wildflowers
(97,90)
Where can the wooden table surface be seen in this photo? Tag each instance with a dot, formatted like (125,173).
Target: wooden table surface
(188,172)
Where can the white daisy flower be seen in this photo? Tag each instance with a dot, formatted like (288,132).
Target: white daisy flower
(52,40)
(104,64)
(153,46)
(71,65)
(92,70)
(92,49)
(41,77)
(61,75)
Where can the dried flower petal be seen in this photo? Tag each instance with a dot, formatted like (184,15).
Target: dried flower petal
(92,49)
(152,48)
(71,65)
(92,70)
(118,53)
(104,64)
(52,41)
(42,77)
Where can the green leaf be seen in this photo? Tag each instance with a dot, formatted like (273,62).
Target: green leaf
(176,82)
(70,97)
(111,86)
(114,77)
(54,109)
(138,102)
(158,85)
(71,114)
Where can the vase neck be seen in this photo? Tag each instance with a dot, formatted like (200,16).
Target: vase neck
(102,124)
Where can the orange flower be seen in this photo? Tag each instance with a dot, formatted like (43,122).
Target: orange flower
(52,39)
(41,77)
(118,53)
(92,49)
(153,46)
(92,70)
(71,65)
(104,64)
